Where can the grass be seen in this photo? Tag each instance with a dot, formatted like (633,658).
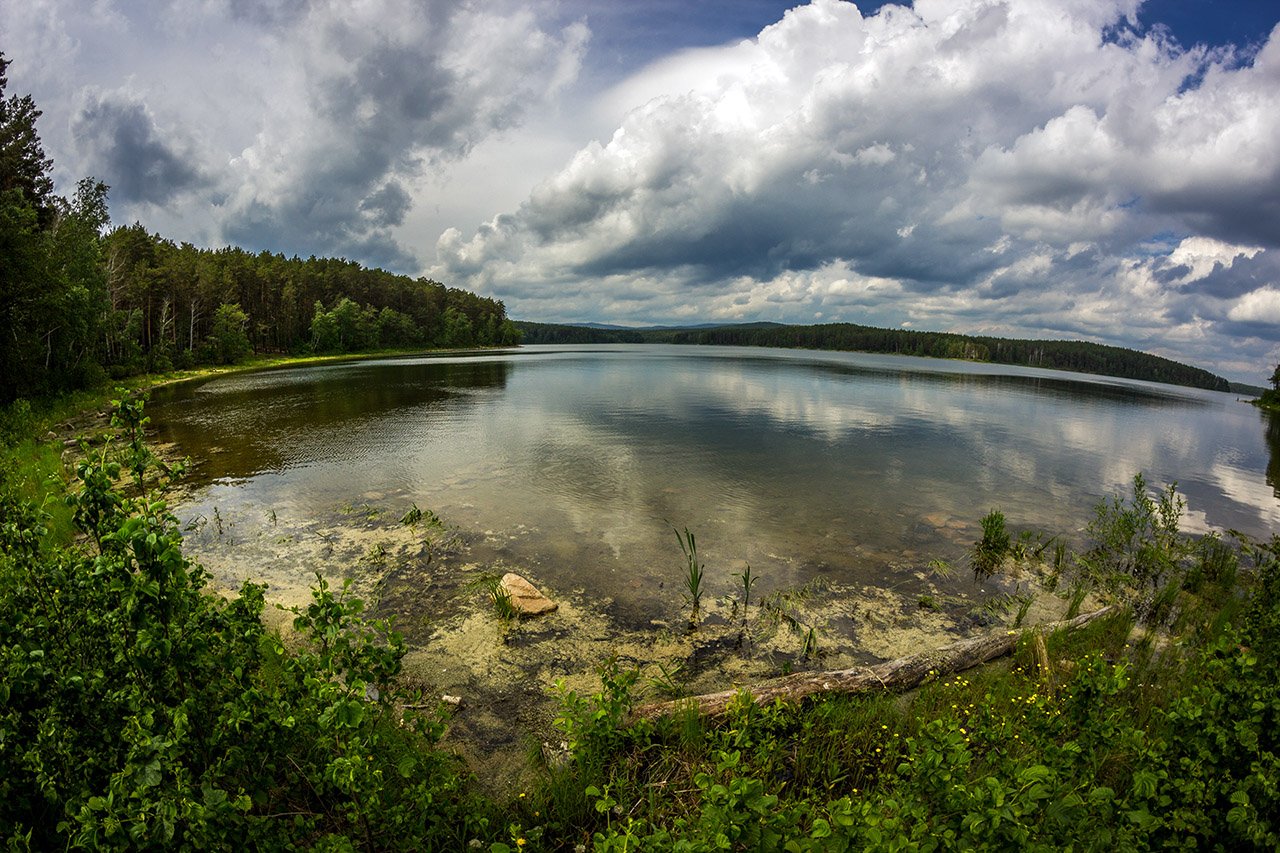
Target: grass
(490,585)
(693,574)
(36,472)
(989,551)
(1004,718)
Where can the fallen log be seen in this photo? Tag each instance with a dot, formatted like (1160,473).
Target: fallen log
(896,675)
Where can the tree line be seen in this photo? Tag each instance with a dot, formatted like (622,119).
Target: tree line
(81,301)
(1079,356)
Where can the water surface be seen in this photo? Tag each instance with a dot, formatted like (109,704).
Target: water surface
(855,467)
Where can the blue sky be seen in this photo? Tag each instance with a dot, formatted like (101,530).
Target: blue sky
(1097,169)
(630,34)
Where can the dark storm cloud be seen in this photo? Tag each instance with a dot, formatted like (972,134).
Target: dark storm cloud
(388,205)
(267,12)
(1243,214)
(392,88)
(1223,281)
(122,146)
(316,220)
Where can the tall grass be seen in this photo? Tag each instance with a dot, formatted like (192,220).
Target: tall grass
(693,573)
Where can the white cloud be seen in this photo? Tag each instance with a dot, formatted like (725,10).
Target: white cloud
(1260,306)
(299,116)
(1006,165)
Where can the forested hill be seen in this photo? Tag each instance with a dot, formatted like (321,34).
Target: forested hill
(137,302)
(1080,356)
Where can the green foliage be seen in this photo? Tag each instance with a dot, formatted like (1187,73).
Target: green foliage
(692,575)
(457,329)
(139,711)
(228,343)
(999,761)
(1076,747)
(989,551)
(594,726)
(52,286)
(1136,543)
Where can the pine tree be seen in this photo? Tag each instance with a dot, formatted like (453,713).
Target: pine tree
(23,164)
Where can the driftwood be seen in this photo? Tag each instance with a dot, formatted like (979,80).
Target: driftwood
(895,675)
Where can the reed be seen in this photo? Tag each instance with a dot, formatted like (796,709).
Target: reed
(692,575)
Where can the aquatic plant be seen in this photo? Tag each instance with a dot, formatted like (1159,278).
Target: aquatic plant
(942,568)
(1136,540)
(665,680)
(1027,600)
(748,580)
(415,516)
(412,517)
(377,553)
(500,600)
(809,647)
(1078,593)
(693,574)
(989,551)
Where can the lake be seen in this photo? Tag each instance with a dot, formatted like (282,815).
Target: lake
(576,462)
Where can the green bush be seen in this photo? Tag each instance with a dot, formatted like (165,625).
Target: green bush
(1136,542)
(137,710)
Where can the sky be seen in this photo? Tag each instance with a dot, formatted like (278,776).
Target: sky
(1106,170)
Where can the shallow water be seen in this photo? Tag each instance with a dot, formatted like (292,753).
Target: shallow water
(576,462)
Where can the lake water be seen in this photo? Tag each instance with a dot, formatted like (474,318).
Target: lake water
(852,467)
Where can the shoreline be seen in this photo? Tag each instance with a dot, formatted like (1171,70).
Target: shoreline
(503,672)
(430,578)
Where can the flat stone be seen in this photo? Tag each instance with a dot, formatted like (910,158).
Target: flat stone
(525,596)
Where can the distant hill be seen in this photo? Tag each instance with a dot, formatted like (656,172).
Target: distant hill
(681,328)
(1079,356)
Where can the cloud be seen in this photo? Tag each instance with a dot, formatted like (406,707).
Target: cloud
(121,144)
(1024,167)
(384,90)
(307,126)
(1260,306)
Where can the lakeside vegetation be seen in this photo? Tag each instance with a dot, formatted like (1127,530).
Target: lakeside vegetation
(140,711)
(1079,356)
(1269,399)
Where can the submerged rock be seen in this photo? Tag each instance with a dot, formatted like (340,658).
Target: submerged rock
(525,596)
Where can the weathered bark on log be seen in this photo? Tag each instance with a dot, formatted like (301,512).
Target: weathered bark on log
(895,675)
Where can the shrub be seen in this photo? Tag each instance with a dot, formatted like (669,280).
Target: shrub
(139,711)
